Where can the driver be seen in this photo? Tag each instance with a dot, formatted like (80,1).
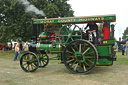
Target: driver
(94,31)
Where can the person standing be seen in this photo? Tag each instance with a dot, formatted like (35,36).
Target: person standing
(26,47)
(115,46)
(123,49)
(4,48)
(17,51)
(127,48)
(105,30)
(94,30)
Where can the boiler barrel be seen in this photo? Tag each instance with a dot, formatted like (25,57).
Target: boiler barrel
(49,48)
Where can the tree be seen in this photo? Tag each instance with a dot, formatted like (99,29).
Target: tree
(16,22)
(54,8)
(125,34)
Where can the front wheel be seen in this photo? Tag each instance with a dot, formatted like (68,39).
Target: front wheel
(29,62)
(80,56)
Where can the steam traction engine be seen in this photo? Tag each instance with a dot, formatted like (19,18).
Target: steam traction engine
(69,43)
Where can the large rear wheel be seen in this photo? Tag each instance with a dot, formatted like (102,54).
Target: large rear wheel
(80,56)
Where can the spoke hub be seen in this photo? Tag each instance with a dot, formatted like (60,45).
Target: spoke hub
(79,56)
(28,62)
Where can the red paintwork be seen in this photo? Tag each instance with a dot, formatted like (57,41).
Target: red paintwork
(1,47)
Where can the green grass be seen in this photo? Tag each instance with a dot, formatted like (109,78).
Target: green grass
(7,54)
(121,59)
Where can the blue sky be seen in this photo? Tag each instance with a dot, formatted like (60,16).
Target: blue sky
(101,7)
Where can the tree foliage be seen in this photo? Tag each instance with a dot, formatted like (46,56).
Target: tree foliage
(16,23)
(125,34)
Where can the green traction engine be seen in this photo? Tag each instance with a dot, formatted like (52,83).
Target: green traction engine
(61,36)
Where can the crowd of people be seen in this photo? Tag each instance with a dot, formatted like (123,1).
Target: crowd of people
(6,48)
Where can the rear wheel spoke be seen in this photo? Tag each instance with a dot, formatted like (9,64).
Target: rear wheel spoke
(70,60)
(86,50)
(70,52)
(73,62)
(80,48)
(84,67)
(87,64)
(90,61)
(73,49)
(76,67)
